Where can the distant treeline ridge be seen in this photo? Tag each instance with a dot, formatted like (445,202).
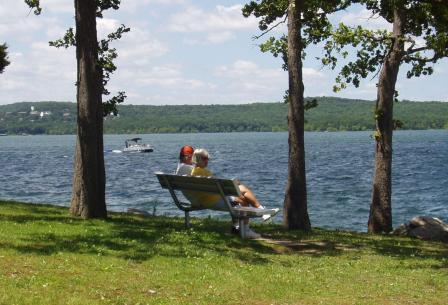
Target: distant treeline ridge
(331,114)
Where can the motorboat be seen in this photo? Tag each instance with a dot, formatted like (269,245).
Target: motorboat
(136,145)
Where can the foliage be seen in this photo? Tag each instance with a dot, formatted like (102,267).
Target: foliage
(314,20)
(426,41)
(3,57)
(47,257)
(34,4)
(316,27)
(106,62)
(332,114)
(66,41)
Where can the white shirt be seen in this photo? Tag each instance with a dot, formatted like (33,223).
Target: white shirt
(184,169)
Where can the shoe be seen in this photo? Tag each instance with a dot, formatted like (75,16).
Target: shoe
(251,234)
(235,230)
(266,217)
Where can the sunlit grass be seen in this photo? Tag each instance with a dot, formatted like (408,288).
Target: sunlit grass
(48,257)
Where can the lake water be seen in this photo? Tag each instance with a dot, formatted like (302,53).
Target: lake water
(39,169)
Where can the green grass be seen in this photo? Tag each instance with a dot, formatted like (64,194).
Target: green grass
(48,257)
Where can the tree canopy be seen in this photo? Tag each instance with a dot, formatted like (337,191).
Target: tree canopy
(3,57)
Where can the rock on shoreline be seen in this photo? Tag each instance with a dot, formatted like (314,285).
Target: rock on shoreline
(424,227)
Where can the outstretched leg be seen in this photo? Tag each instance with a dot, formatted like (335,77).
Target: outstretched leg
(248,197)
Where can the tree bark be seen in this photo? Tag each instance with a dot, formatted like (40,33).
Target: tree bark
(295,204)
(380,217)
(88,194)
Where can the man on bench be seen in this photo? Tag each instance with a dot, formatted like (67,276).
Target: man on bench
(216,202)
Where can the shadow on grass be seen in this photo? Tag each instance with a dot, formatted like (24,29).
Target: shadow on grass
(125,236)
(140,238)
(325,242)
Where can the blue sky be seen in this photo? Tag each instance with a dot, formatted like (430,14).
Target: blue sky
(178,52)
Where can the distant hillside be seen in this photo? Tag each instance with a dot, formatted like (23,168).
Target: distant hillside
(330,115)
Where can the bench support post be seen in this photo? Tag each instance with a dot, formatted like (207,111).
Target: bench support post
(242,228)
(187,220)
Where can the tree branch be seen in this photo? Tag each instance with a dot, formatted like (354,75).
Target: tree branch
(424,60)
(412,51)
(271,28)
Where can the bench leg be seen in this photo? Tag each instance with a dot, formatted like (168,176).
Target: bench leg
(187,220)
(243,225)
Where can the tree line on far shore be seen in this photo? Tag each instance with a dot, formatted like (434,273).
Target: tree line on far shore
(331,114)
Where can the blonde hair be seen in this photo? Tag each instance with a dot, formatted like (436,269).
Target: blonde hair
(200,154)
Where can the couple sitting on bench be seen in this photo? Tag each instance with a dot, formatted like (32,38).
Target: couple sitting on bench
(200,157)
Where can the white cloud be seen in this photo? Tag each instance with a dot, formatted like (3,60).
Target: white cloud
(136,5)
(243,70)
(142,51)
(365,18)
(312,74)
(139,46)
(219,37)
(20,26)
(245,81)
(222,18)
(106,26)
(43,73)
(161,84)
(58,6)
(218,24)
(169,76)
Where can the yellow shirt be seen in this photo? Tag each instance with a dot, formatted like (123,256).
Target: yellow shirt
(206,200)
(199,171)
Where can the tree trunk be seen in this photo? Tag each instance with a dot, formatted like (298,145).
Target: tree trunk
(295,205)
(380,218)
(88,194)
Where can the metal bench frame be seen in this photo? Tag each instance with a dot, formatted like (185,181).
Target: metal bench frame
(222,187)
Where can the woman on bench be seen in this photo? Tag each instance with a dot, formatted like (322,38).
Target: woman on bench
(185,165)
(201,157)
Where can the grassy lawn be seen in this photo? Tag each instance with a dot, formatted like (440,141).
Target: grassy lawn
(48,257)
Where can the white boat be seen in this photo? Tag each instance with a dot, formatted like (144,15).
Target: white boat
(136,145)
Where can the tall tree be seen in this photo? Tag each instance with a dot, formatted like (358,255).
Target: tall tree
(89,179)
(307,23)
(295,204)
(3,57)
(94,66)
(387,51)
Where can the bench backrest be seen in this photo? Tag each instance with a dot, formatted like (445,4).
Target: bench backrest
(229,187)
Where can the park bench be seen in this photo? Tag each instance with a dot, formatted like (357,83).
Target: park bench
(222,187)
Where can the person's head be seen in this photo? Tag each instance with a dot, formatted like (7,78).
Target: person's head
(200,157)
(186,154)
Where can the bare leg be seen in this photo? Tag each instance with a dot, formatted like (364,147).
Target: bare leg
(248,197)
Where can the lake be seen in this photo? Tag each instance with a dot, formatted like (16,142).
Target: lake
(39,169)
